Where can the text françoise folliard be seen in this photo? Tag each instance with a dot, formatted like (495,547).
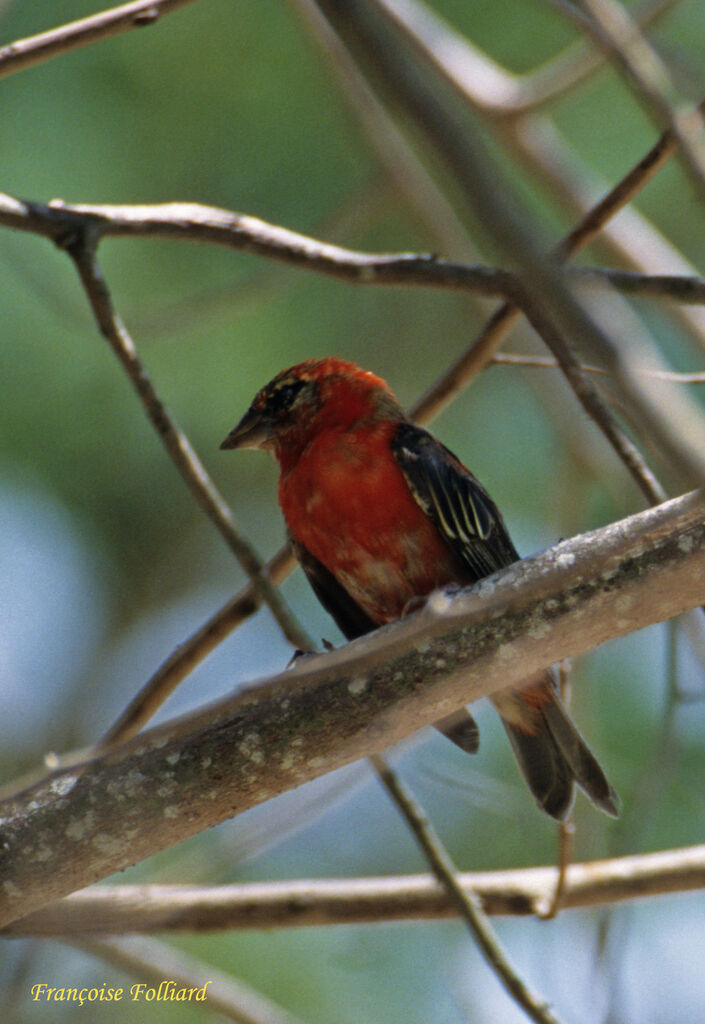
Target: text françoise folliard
(165,991)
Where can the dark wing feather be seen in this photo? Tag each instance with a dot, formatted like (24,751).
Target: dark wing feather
(457,503)
(350,619)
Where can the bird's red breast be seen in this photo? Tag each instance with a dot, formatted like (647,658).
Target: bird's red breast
(347,502)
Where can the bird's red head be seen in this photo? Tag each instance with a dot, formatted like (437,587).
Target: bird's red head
(317,394)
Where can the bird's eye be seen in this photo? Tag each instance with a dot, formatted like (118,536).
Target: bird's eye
(285,395)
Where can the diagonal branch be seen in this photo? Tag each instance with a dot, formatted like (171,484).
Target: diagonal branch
(81,247)
(620,36)
(26,53)
(192,651)
(458,143)
(175,780)
(465,901)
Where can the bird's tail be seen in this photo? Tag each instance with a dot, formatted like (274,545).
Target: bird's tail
(551,753)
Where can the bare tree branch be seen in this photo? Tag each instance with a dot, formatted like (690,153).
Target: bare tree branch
(465,901)
(81,246)
(120,909)
(25,53)
(548,363)
(570,67)
(191,652)
(633,240)
(63,224)
(621,37)
(494,201)
(173,781)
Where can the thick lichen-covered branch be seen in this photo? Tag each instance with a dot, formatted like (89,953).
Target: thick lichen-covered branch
(171,782)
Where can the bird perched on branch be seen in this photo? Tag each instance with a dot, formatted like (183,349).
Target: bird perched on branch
(380,514)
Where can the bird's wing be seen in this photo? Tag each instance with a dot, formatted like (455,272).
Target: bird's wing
(349,617)
(457,504)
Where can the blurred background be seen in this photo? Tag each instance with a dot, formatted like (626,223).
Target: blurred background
(106,564)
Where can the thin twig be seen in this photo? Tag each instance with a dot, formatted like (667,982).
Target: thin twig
(550,363)
(631,239)
(566,829)
(25,53)
(193,222)
(466,902)
(174,440)
(197,223)
(191,653)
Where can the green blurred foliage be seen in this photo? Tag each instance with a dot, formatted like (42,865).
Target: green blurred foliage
(233,104)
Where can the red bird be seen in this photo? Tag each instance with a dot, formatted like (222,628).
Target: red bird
(380,513)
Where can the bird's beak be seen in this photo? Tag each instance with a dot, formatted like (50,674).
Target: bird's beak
(253,431)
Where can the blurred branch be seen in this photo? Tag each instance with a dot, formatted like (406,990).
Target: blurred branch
(523,136)
(25,53)
(395,155)
(191,652)
(453,57)
(631,238)
(494,200)
(553,80)
(80,244)
(465,901)
(157,962)
(485,83)
(175,780)
(675,287)
(548,362)
(617,32)
(118,909)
